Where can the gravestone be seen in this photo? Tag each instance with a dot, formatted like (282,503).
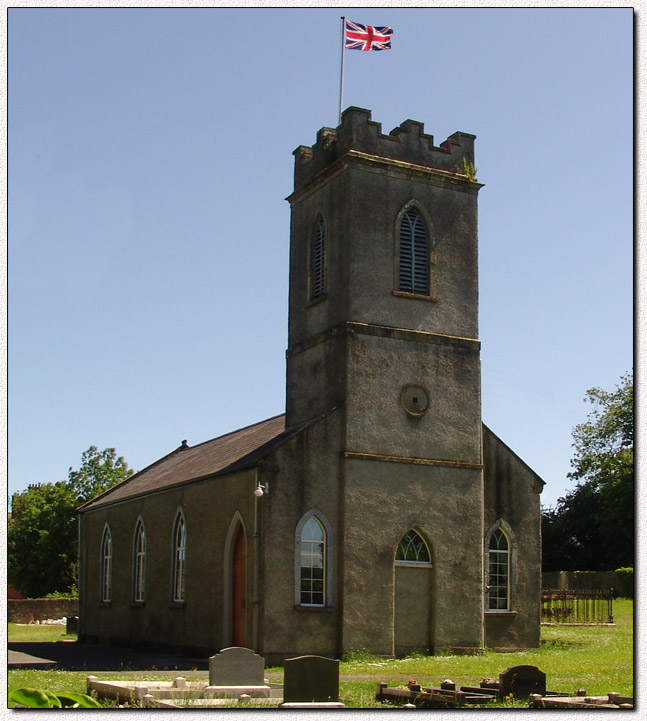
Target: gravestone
(311,680)
(236,666)
(521,681)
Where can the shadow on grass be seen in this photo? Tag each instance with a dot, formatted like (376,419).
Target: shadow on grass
(74,656)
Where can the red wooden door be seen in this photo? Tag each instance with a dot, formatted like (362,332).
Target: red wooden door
(238,591)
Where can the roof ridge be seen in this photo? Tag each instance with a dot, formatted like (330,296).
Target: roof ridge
(181,450)
(175,451)
(231,433)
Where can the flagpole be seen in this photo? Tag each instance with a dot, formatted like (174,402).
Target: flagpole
(341,78)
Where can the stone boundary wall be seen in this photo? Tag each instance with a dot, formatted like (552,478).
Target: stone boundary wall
(24,610)
(599,580)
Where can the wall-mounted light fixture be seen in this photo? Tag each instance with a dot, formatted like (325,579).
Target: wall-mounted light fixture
(261,490)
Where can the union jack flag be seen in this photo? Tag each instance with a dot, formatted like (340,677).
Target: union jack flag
(366,37)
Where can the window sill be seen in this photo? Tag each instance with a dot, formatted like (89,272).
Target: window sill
(138,604)
(177,604)
(416,296)
(318,609)
(315,301)
(501,613)
(105,604)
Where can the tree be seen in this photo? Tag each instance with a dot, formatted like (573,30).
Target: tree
(42,539)
(592,527)
(99,471)
(42,531)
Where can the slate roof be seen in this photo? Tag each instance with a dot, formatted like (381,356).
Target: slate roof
(191,463)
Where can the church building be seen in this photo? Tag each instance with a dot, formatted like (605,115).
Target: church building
(377,512)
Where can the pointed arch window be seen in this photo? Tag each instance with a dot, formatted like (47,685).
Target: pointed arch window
(414,254)
(412,549)
(313,563)
(106,565)
(318,260)
(498,588)
(179,559)
(139,562)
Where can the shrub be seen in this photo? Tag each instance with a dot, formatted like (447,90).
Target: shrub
(70,595)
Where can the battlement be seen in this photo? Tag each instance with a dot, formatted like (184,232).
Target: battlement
(407,143)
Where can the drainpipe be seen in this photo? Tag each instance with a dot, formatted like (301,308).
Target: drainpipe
(79,579)
(257,550)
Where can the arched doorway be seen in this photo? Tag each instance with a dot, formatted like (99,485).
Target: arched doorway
(239,589)
(413,589)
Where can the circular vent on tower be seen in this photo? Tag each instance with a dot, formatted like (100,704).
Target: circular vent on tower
(414,399)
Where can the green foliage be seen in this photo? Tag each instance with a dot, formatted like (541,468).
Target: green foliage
(70,595)
(469,170)
(360,655)
(42,540)
(42,531)
(626,578)
(99,472)
(592,527)
(37,698)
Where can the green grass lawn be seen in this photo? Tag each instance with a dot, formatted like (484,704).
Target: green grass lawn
(37,633)
(596,658)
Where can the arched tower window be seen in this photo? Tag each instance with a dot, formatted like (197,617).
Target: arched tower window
(313,562)
(412,549)
(139,562)
(106,565)
(414,253)
(498,588)
(318,260)
(179,559)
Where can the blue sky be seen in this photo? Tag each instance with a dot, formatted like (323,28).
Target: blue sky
(150,155)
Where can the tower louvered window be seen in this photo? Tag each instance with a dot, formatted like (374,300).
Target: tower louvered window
(414,254)
(318,261)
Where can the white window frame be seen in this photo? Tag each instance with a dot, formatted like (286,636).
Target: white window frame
(139,562)
(105,592)
(510,565)
(178,575)
(414,563)
(327,559)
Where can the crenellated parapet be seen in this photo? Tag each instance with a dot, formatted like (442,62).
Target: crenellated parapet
(407,143)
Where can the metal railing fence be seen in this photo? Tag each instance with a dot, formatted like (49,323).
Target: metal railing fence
(581,606)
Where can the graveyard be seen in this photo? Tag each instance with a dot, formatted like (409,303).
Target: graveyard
(236,676)
(596,660)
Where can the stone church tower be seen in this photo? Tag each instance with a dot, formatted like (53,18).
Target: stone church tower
(378,512)
(384,325)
